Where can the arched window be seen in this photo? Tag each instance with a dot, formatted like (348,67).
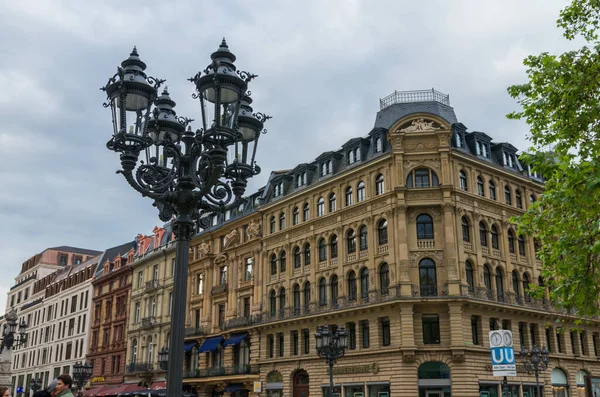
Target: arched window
(323,169)
(360,192)
(483,234)
(348,196)
(492,187)
(495,239)
(511,241)
(322,250)
(470,276)
(272,303)
(507,195)
(332,202)
(427,277)
(150,349)
(463,181)
(134,349)
(296,299)
(382,232)
(296,217)
(330,167)
(334,289)
(379,185)
(466,229)
(531,199)
(351,241)
(364,283)
(306,296)
(305,212)
(515,285)
(273,264)
(422,177)
(521,245)
(424,227)
(272,224)
(518,199)
(363,238)
(281,221)
(322,291)
(357,154)
(480,187)
(333,247)
(499,285)
(458,141)
(384,278)
(281,300)
(351,157)
(352,290)
(282,261)
(321,206)
(487,279)
(297,261)
(378,145)
(307,254)
(526,287)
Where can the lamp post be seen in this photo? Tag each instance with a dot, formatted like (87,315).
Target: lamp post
(81,374)
(535,361)
(35,385)
(10,336)
(188,174)
(163,358)
(330,346)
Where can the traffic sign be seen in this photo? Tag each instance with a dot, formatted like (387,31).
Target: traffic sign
(19,389)
(502,353)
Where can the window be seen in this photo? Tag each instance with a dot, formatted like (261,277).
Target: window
(364,333)
(137,312)
(470,276)
(333,285)
(223,275)
(424,227)
(350,157)
(352,290)
(296,216)
(507,195)
(333,247)
(296,299)
(306,296)
(483,234)
(385,332)
(306,337)
(518,199)
(351,241)
(305,212)
(364,283)
(62,260)
(322,250)
(332,202)
(321,206)
(521,245)
(431,329)
(248,269)
(295,342)
(466,229)
(384,278)
(278,189)
(360,192)
(475,329)
(322,291)
(271,343)
(495,239)
(282,261)
(492,188)
(200,283)
(379,185)
(281,221)
(526,283)
(531,199)
(499,285)
(281,301)
(427,277)
(307,254)
(511,241)
(273,265)
(458,140)
(382,232)
(140,281)
(463,181)
(422,177)
(351,336)
(487,278)
(559,340)
(247,307)
(272,225)
(348,196)
(378,145)
(297,260)
(363,238)
(515,285)
(272,303)
(480,187)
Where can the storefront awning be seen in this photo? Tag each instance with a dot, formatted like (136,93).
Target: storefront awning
(188,346)
(210,344)
(158,385)
(234,387)
(235,339)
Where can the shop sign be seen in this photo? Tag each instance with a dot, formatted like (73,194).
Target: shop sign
(356,369)
(257,387)
(502,353)
(98,379)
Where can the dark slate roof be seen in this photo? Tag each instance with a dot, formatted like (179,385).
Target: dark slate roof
(111,253)
(75,250)
(388,116)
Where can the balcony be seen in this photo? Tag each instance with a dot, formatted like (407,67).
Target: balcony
(414,96)
(152,285)
(382,249)
(246,369)
(148,322)
(426,244)
(219,289)
(351,257)
(239,322)
(428,290)
(139,368)
(363,254)
(468,245)
(485,250)
(195,331)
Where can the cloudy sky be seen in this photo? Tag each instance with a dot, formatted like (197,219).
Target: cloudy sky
(322,66)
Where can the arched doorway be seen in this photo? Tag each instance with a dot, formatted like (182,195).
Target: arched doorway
(434,379)
(301,383)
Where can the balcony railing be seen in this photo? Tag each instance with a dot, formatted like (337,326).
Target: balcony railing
(151,285)
(195,331)
(136,368)
(425,244)
(148,322)
(414,96)
(222,371)
(428,290)
(219,289)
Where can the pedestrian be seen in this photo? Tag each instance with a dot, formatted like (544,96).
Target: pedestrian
(4,392)
(63,386)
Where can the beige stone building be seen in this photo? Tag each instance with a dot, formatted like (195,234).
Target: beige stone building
(403,236)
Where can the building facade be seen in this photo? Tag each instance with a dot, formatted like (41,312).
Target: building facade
(57,311)
(149,319)
(404,237)
(110,303)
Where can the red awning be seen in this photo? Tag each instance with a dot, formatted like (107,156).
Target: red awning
(96,391)
(158,385)
(124,388)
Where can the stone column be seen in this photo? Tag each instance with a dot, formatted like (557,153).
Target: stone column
(400,238)
(450,242)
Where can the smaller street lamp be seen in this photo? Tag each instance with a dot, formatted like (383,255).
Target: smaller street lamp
(10,337)
(331,346)
(535,361)
(163,358)
(35,384)
(81,374)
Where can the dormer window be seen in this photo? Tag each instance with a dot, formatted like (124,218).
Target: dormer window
(301,179)
(326,168)
(458,140)
(214,220)
(378,145)
(482,149)
(278,190)
(353,156)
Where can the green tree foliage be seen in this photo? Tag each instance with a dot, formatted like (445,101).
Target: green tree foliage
(561,104)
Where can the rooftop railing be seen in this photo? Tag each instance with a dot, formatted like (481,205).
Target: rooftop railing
(414,96)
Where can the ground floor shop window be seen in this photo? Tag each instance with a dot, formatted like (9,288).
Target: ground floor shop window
(434,380)
(580,380)
(354,390)
(274,384)
(531,391)
(337,391)
(378,389)
(488,390)
(560,385)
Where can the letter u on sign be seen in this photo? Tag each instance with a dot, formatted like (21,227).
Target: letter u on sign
(502,355)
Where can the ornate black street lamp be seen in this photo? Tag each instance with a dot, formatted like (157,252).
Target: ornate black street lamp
(81,374)
(10,336)
(187,174)
(330,346)
(535,361)
(163,358)
(35,384)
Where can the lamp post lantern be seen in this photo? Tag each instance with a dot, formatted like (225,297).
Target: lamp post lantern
(14,334)
(187,174)
(163,358)
(331,346)
(535,361)
(81,374)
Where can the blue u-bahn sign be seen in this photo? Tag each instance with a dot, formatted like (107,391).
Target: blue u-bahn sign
(502,353)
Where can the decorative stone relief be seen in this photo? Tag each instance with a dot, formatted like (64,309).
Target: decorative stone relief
(437,256)
(420,125)
(203,249)
(435,213)
(253,230)
(231,239)
(220,259)
(421,146)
